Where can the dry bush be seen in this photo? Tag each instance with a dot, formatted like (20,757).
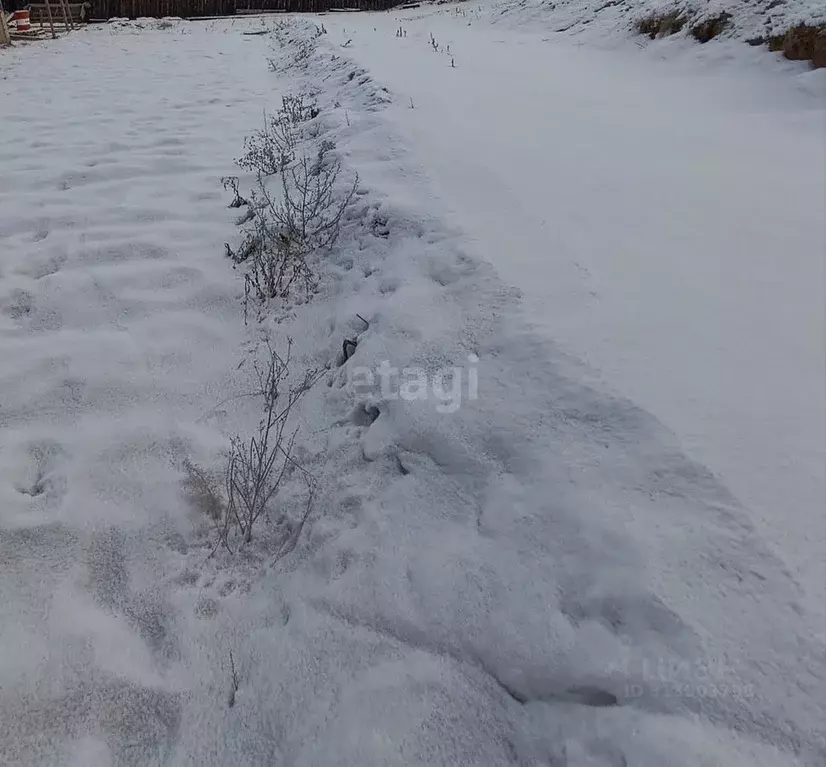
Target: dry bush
(275,265)
(802,43)
(309,212)
(297,109)
(272,148)
(661,24)
(257,466)
(203,490)
(286,228)
(710,28)
(231,183)
(245,495)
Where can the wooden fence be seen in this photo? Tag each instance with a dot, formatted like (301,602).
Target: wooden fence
(311,6)
(132,9)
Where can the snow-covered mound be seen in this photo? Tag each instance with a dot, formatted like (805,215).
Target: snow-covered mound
(756,21)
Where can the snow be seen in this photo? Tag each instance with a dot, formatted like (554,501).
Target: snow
(610,21)
(544,574)
(663,224)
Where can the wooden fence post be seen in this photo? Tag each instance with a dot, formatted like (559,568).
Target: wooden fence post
(5,36)
(51,21)
(67,15)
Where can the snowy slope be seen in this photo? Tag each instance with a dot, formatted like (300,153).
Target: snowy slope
(539,575)
(615,19)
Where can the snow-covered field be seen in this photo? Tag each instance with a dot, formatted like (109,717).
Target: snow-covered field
(663,220)
(562,553)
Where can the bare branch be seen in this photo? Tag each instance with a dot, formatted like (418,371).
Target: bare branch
(258,466)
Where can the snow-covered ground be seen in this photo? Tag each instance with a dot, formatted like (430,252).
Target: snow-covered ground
(611,20)
(664,221)
(527,568)
(120,326)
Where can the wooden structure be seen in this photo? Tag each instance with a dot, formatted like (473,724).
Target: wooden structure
(57,13)
(60,15)
(188,9)
(314,6)
(74,16)
(5,37)
(134,9)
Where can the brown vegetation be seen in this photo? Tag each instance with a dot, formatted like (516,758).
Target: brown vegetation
(661,24)
(802,43)
(710,28)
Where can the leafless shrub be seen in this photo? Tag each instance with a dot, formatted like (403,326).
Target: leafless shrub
(286,229)
(269,150)
(272,148)
(276,265)
(203,490)
(249,246)
(258,466)
(310,212)
(297,109)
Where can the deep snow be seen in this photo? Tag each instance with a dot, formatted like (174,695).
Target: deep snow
(541,576)
(663,220)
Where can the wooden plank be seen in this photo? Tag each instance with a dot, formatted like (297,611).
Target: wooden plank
(65,12)
(51,20)
(5,36)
